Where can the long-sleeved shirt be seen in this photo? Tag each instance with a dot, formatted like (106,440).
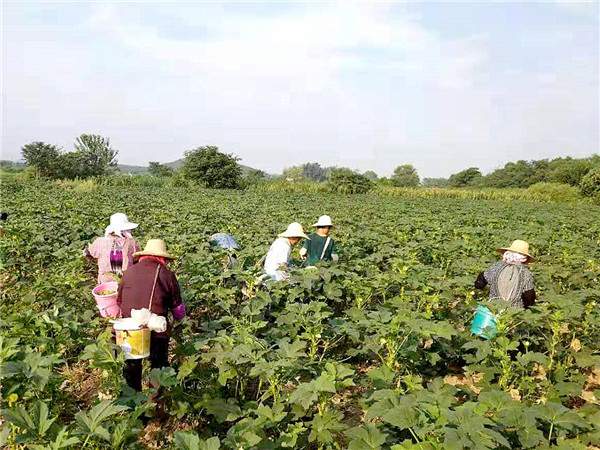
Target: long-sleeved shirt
(314,246)
(523,295)
(277,258)
(136,287)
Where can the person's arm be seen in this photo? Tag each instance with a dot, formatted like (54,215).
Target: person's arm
(334,253)
(480,282)
(177,305)
(92,251)
(528,298)
(304,249)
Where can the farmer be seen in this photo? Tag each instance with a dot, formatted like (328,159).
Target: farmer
(150,284)
(114,251)
(510,279)
(320,246)
(277,259)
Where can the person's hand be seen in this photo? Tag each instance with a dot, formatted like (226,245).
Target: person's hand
(303,254)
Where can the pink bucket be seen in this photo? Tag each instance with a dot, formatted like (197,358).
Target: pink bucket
(107,304)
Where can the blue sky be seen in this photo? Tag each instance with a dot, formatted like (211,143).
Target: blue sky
(367,85)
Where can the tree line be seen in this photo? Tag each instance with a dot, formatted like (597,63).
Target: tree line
(93,156)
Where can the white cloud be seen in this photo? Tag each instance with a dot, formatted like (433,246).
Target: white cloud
(367,85)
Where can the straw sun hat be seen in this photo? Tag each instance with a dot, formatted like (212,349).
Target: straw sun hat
(518,246)
(154,247)
(294,230)
(324,221)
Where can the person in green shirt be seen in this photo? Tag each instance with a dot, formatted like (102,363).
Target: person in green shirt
(320,246)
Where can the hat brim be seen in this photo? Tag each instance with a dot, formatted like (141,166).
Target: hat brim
(285,235)
(319,225)
(129,226)
(159,254)
(508,249)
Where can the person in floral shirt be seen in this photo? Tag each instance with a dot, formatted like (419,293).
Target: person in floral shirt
(114,251)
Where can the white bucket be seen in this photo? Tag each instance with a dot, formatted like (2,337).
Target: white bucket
(133,339)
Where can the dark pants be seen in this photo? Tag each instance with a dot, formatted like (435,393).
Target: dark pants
(159,358)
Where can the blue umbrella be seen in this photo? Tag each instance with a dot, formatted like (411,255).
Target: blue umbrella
(224,240)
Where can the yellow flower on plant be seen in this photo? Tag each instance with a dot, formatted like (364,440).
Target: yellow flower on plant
(12,399)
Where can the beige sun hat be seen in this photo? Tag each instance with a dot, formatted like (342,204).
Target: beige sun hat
(324,221)
(154,247)
(294,230)
(518,246)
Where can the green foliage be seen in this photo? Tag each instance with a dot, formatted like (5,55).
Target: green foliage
(555,191)
(590,184)
(44,157)
(212,168)
(93,157)
(435,182)
(159,170)
(346,181)
(314,172)
(405,176)
(373,352)
(526,173)
(468,177)
(371,175)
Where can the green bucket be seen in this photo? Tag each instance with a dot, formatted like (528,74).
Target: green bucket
(484,323)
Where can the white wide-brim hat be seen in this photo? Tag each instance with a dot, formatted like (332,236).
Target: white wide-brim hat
(294,230)
(154,247)
(324,221)
(119,222)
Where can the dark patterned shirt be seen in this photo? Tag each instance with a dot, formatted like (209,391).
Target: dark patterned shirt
(510,282)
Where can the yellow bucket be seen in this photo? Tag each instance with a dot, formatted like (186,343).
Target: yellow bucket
(132,338)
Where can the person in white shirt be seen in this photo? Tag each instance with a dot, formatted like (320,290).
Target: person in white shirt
(276,261)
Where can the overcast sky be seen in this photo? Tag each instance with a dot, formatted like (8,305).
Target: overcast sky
(443,86)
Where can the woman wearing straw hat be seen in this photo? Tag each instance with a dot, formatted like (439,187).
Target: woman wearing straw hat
(320,246)
(510,279)
(276,261)
(150,284)
(114,251)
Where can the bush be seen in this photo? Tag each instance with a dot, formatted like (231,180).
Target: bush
(160,170)
(346,181)
(590,184)
(554,191)
(212,168)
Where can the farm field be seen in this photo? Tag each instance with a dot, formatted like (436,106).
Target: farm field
(373,352)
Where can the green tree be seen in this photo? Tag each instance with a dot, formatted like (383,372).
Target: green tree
(96,156)
(371,175)
(314,172)
(435,182)
(569,171)
(590,183)
(347,181)
(212,168)
(43,157)
(464,178)
(253,176)
(405,176)
(159,170)
(294,173)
